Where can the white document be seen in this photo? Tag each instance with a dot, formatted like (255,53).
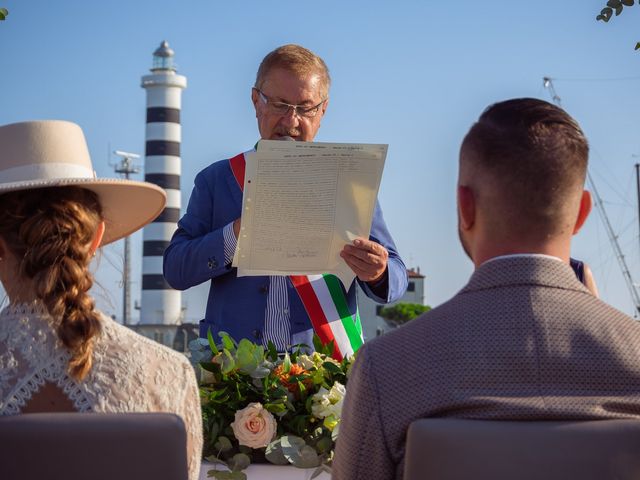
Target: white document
(302,202)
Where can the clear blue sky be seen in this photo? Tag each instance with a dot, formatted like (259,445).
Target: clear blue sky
(413,74)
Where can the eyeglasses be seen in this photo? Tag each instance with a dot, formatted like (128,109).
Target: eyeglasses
(282,108)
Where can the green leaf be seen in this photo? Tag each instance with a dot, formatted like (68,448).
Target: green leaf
(291,447)
(317,343)
(637,46)
(617,4)
(274,453)
(223,444)
(272,352)
(275,407)
(301,387)
(291,441)
(331,347)
(215,460)
(627,3)
(212,344)
(260,372)
(307,457)
(324,445)
(227,362)
(286,364)
(227,341)
(210,367)
(331,367)
(222,475)
(3,13)
(215,429)
(244,358)
(605,14)
(239,462)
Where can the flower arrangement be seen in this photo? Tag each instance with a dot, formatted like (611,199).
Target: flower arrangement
(260,406)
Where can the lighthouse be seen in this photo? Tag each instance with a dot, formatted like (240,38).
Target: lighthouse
(160,304)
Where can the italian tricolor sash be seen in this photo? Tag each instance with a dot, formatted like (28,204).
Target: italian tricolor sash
(323,297)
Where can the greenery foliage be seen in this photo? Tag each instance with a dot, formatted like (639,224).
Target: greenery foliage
(298,395)
(615,6)
(3,13)
(401,313)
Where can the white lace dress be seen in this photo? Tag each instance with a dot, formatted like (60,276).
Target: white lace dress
(130,373)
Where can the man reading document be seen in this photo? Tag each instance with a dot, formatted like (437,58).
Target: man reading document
(290,96)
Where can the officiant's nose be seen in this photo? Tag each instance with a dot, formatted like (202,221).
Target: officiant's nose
(291,118)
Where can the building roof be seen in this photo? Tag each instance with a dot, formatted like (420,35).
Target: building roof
(411,273)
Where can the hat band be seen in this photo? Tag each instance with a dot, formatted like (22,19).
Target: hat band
(45,171)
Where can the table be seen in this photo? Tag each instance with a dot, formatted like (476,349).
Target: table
(264,471)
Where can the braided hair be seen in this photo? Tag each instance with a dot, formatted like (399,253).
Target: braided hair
(50,232)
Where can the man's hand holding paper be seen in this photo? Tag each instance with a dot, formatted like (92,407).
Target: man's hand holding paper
(367,259)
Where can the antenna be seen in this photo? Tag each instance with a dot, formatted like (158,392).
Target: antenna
(547,82)
(126,168)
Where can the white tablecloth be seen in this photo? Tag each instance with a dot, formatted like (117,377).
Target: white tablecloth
(270,472)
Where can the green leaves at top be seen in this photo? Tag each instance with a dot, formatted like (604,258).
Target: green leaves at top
(617,5)
(605,14)
(3,13)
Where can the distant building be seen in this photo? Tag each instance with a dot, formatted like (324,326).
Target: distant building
(172,336)
(374,325)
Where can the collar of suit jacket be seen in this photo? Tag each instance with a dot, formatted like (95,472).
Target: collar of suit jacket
(512,270)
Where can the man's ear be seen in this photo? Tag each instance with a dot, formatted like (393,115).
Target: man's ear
(97,238)
(585,208)
(466,207)
(254,99)
(325,105)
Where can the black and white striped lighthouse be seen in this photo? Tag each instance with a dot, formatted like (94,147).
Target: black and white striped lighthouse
(160,304)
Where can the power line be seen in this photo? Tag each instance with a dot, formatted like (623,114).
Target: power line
(595,80)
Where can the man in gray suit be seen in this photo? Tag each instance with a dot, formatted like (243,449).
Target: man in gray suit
(524,339)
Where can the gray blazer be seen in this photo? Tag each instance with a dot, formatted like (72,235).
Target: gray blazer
(523,340)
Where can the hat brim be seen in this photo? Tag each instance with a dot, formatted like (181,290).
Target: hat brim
(127,205)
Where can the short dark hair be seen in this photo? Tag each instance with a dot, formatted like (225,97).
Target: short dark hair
(298,60)
(535,157)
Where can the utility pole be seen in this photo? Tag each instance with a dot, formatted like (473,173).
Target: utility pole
(126,168)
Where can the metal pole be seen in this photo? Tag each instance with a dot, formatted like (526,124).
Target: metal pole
(638,195)
(126,275)
(126,168)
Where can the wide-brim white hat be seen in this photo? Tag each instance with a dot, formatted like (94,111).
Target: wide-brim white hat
(54,153)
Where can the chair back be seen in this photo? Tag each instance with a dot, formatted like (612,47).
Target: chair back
(74,446)
(455,449)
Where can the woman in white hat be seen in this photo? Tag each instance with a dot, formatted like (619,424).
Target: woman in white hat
(57,352)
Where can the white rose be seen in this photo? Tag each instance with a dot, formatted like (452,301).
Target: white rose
(306,362)
(254,426)
(328,403)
